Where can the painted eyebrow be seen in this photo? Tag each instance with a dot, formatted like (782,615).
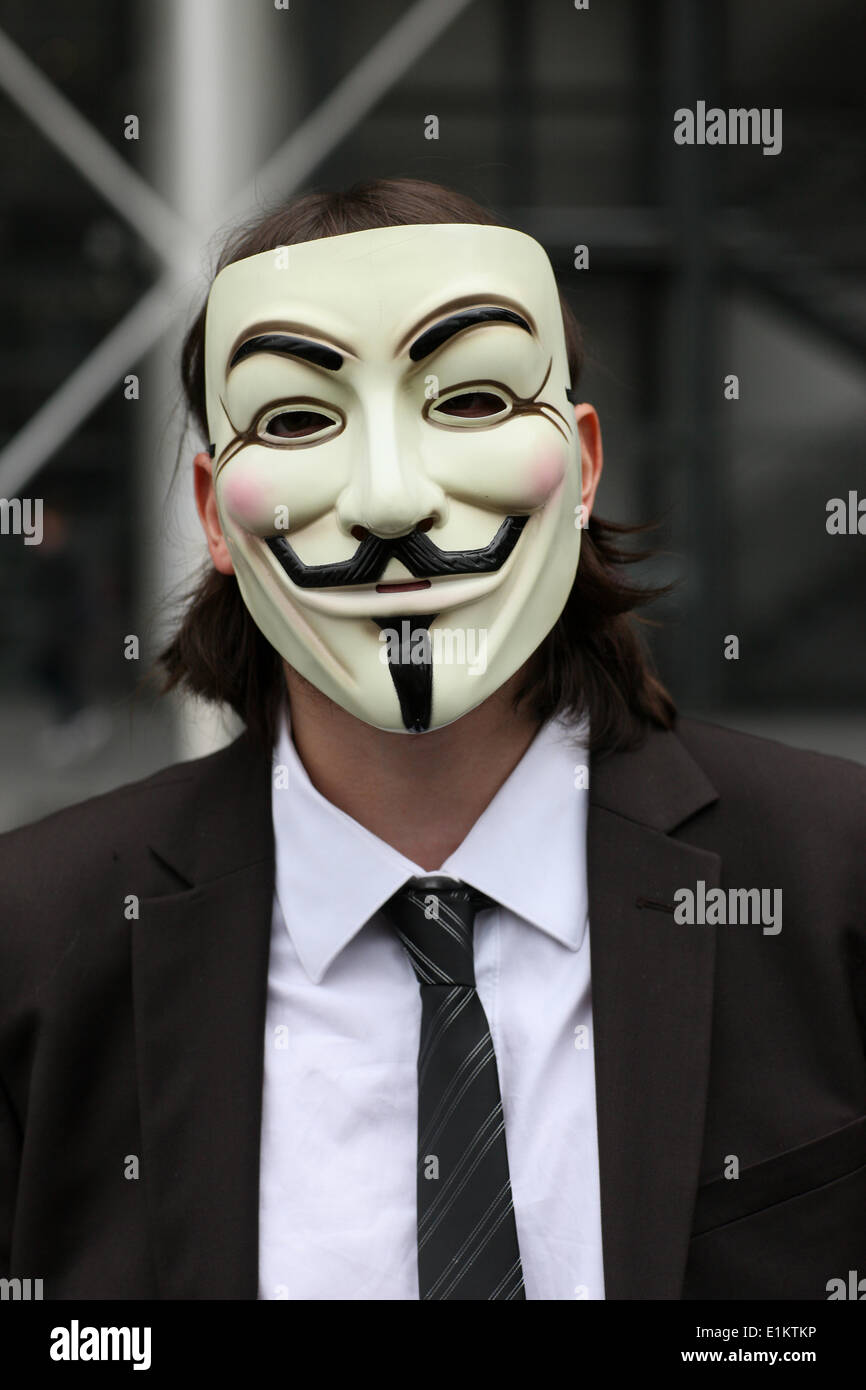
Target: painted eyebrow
(290,345)
(446,328)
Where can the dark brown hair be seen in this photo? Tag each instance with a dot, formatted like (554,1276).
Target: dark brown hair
(592,662)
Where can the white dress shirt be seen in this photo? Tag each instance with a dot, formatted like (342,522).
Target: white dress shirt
(340,1102)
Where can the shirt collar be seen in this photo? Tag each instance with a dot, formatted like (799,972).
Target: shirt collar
(332,874)
(526,850)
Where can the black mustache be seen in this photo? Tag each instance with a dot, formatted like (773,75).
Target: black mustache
(421,556)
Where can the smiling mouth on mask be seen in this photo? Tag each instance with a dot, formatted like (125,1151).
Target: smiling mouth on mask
(411,587)
(416,551)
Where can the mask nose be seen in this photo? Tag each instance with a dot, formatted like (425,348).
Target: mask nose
(389,493)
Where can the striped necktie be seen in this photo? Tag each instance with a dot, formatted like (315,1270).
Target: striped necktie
(467,1238)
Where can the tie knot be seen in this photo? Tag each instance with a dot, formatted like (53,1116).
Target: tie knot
(434,918)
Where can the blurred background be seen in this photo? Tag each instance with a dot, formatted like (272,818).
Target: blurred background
(132,137)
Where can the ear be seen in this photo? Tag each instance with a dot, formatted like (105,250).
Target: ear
(205,501)
(591,454)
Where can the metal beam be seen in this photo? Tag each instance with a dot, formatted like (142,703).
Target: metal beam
(92,156)
(175,240)
(692,379)
(642,239)
(350,101)
(89,384)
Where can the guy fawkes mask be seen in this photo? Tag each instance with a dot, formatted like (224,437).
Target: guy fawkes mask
(396,460)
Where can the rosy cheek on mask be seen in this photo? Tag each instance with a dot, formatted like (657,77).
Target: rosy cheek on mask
(545,472)
(270,491)
(515,473)
(250,503)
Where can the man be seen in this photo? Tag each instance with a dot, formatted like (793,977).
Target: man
(316,1017)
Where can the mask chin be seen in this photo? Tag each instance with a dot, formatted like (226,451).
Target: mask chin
(409,652)
(414,671)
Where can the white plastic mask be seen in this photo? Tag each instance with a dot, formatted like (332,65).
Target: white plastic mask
(396,461)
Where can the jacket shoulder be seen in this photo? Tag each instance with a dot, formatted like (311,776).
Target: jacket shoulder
(749,759)
(68,877)
(78,831)
(765,783)
(72,881)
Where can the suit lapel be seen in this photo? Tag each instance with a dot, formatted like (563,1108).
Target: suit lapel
(652,982)
(199,969)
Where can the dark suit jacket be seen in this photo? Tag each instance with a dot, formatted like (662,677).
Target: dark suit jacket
(124,1036)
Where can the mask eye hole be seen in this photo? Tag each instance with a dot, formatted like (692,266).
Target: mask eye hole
(302,423)
(481,405)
